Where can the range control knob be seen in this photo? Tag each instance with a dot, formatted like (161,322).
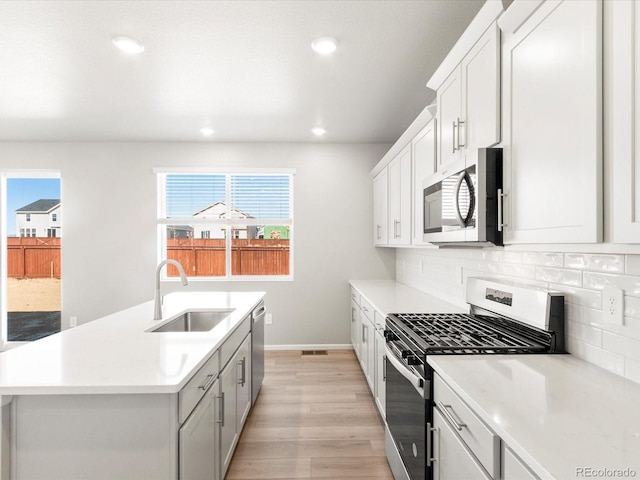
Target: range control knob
(389,336)
(406,354)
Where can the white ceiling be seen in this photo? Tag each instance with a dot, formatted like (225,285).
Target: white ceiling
(244,68)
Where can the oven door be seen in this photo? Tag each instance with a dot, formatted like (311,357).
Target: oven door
(406,413)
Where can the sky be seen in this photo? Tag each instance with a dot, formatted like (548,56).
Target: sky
(23,191)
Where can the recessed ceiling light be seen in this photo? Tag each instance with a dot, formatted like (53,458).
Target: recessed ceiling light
(128,44)
(207,131)
(318,131)
(324,45)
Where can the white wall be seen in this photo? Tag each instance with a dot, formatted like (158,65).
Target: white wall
(581,276)
(109,245)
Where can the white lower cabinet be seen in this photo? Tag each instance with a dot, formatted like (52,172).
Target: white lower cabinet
(454,461)
(199,440)
(513,468)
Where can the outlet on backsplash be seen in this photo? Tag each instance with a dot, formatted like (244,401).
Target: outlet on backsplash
(613,305)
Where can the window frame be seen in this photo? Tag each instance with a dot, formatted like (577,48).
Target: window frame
(228,224)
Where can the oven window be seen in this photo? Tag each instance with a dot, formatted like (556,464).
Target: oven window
(406,419)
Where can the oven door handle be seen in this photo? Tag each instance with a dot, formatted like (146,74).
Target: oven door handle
(414,379)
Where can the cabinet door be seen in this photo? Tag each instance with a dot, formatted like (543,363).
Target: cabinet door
(227,420)
(242,360)
(380,208)
(370,346)
(454,460)
(364,361)
(513,468)
(481,95)
(400,198)
(449,98)
(622,127)
(354,327)
(381,374)
(552,125)
(424,165)
(199,441)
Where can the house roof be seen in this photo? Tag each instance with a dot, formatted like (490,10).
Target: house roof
(219,210)
(44,205)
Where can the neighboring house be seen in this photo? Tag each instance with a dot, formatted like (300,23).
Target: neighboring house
(39,219)
(179,231)
(219,211)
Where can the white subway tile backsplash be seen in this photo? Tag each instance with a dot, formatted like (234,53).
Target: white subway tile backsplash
(559,275)
(632,370)
(600,263)
(542,258)
(584,333)
(630,284)
(633,265)
(580,276)
(619,344)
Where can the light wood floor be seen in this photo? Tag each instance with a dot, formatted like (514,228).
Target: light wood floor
(314,418)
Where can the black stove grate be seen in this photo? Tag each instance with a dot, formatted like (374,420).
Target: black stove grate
(463,333)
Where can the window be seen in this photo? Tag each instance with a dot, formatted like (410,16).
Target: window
(30,276)
(54,217)
(227,225)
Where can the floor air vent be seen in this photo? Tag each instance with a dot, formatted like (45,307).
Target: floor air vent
(314,352)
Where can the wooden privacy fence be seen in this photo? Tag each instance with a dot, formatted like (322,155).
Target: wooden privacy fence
(39,257)
(206,257)
(33,257)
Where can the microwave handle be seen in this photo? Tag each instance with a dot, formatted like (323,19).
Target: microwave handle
(464,176)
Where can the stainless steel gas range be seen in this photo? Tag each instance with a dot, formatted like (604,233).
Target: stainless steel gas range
(503,319)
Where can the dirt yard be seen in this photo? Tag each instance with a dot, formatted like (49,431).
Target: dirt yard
(33,295)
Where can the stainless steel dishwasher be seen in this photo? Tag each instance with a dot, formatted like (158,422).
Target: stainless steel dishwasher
(257,350)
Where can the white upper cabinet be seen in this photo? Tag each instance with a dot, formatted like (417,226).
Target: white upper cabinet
(552,127)
(380,208)
(468,91)
(622,122)
(480,72)
(449,100)
(400,198)
(424,163)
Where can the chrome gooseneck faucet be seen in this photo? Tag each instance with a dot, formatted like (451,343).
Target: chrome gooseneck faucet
(157,310)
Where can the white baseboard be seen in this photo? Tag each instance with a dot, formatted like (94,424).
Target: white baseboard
(345,346)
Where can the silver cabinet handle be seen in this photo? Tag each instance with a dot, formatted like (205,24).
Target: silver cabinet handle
(364,335)
(453,134)
(396,229)
(449,414)
(430,457)
(221,409)
(384,368)
(242,378)
(210,379)
(501,223)
(379,235)
(353,314)
(460,145)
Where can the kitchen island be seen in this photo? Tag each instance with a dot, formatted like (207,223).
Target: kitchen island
(112,399)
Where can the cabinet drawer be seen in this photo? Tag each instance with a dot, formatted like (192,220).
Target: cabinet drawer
(232,343)
(379,320)
(366,308)
(355,296)
(195,389)
(482,441)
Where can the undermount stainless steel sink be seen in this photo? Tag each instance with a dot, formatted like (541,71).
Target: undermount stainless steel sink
(194,321)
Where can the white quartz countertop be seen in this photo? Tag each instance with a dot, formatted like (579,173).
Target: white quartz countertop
(558,413)
(389,296)
(115,354)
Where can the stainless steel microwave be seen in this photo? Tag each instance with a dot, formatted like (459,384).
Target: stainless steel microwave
(462,204)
